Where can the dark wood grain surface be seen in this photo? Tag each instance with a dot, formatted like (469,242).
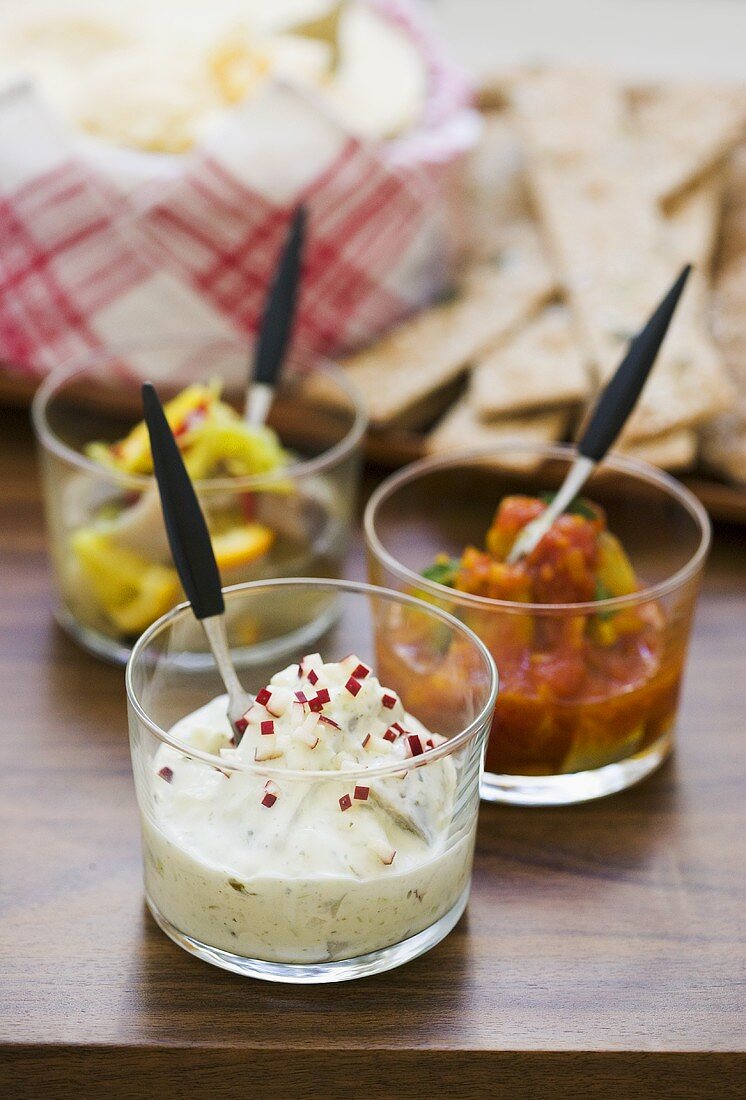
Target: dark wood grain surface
(601,954)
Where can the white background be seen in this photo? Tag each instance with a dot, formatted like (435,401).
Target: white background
(697,38)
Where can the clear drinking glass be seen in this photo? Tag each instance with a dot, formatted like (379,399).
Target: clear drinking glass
(550,744)
(107,541)
(292,908)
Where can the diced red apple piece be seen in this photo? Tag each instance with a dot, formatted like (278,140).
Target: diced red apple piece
(278,702)
(307,731)
(329,721)
(320,699)
(267,750)
(383,850)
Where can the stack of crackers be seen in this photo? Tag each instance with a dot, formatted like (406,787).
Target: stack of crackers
(584,199)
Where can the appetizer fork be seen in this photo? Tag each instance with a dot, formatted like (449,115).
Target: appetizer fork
(277,323)
(192,551)
(614,406)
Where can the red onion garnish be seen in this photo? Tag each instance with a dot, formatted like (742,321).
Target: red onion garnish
(360,672)
(390,735)
(345,802)
(353,686)
(366,739)
(167,774)
(241,725)
(415,745)
(301,696)
(267,728)
(264,696)
(312,677)
(388,701)
(399,728)
(361,793)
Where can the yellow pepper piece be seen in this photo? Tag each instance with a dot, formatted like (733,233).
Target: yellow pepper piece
(239,449)
(241,545)
(132,591)
(132,454)
(614,569)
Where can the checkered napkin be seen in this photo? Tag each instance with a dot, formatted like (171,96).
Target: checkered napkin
(87,260)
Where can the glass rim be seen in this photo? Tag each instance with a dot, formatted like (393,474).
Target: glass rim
(55,381)
(165,622)
(642,471)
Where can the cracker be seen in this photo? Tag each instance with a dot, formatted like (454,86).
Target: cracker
(496,201)
(540,367)
(685,130)
(692,224)
(462,429)
(729,316)
(676,450)
(723,440)
(398,375)
(733,236)
(611,245)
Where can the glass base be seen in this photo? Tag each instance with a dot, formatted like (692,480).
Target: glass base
(100,645)
(573,787)
(343,970)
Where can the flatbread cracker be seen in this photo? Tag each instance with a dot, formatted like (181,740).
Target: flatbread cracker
(674,451)
(609,240)
(496,209)
(723,440)
(685,130)
(539,368)
(398,374)
(461,429)
(723,443)
(733,235)
(692,224)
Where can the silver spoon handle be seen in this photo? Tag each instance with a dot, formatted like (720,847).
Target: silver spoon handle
(258,402)
(239,700)
(532,534)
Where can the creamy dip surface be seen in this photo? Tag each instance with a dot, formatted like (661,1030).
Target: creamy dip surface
(160,77)
(305,870)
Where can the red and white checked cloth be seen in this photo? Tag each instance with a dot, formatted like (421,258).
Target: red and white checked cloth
(85,262)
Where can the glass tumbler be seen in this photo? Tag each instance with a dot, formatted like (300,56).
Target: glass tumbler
(588,691)
(298,875)
(107,540)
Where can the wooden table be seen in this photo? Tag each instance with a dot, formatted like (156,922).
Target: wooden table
(600,954)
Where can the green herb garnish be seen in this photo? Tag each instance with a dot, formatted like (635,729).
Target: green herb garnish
(577,507)
(443,571)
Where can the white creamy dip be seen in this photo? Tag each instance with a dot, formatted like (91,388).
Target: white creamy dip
(161,77)
(305,870)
